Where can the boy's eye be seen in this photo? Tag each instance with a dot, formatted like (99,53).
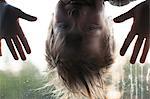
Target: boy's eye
(93,27)
(63,26)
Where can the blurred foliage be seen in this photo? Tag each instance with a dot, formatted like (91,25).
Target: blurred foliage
(28,84)
(135,83)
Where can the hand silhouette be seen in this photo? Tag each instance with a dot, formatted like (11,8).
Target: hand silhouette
(140,27)
(11,31)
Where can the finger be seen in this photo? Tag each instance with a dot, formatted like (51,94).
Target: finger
(145,50)
(12,49)
(23,40)
(19,48)
(124,16)
(25,16)
(127,42)
(0,48)
(136,50)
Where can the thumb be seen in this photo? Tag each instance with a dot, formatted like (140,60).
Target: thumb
(124,16)
(25,16)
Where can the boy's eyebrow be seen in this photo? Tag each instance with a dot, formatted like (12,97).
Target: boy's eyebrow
(64,2)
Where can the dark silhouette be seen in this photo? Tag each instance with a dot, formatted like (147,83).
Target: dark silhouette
(140,27)
(11,31)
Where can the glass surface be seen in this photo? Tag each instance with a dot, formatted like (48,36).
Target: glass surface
(28,79)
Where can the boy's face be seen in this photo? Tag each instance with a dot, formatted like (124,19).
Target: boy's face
(81,27)
(79,44)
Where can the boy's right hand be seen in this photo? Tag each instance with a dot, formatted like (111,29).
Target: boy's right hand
(11,31)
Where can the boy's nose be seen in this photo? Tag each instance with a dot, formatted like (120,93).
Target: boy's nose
(73,39)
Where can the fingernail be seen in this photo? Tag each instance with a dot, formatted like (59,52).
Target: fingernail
(28,51)
(16,58)
(132,61)
(115,20)
(142,60)
(34,18)
(122,53)
(23,58)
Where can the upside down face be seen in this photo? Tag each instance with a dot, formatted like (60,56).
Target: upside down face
(79,43)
